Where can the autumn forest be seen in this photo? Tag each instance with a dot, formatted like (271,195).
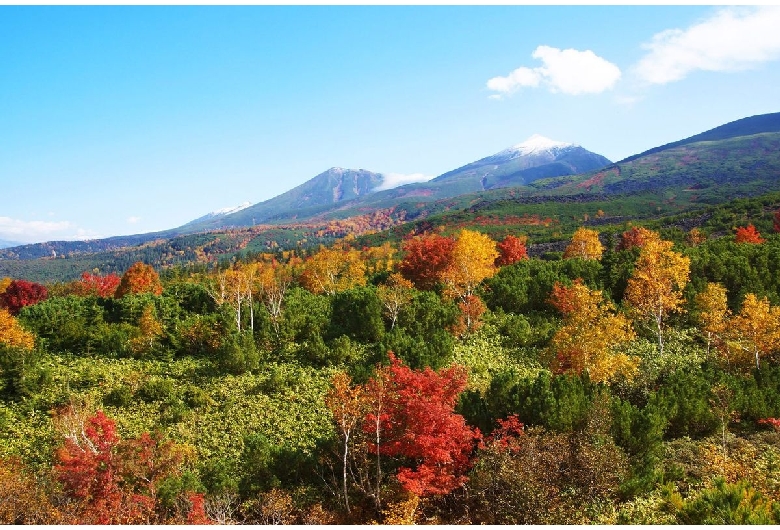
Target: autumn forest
(444,378)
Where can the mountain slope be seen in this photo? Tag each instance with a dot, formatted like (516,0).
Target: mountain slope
(743,127)
(323,191)
(538,157)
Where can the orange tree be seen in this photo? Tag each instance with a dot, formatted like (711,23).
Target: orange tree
(139,278)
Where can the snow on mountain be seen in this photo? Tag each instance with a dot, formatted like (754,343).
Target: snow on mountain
(536,144)
(229,210)
(221,212)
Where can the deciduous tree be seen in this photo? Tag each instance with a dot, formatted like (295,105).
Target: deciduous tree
(713,313)
(12,334)
(655,288)
(331,270)
(755,330)
(21,293)
(139,278)
(591,336)
(420,425)
(93,284)
(425,259)
(748,234)
(394,294)
(636,237)
(511,250)
(584,244)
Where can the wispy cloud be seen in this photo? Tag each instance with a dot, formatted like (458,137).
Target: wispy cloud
(37,231)
(567,71)
(732,39)
(393,180)
(133,220)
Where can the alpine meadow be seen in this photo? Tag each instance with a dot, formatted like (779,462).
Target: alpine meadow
(539,336)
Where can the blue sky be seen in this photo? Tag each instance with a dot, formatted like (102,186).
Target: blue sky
(123,120)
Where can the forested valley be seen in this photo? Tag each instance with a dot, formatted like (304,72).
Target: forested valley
(446,378)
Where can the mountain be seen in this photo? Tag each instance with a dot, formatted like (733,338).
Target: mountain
(7,244)
(761,123)
(538,157)
(343,192)
(220,213)
(327,189)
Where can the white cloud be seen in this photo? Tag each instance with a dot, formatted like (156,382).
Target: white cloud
(38,231)
(133,219)
(732,39)
(568,71)
(393,180)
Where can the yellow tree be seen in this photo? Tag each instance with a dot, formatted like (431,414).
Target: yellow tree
(584,244)
(12,334)
(591,335)
(348,406)
(4,283)
(755,331)
(397,292)
(332,270)
(655,289)
(472,260)
(272,282)
(713,312)
(150,329)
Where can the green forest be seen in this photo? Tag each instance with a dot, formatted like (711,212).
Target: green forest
(446,376)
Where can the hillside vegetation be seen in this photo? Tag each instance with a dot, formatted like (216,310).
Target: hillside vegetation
(620,375)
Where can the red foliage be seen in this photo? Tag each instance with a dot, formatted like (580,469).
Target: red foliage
(21,293)
(507,436)
(777,221)
(88,470)
(197,513)
(115,481)
(748,234)
(772,422)
(420,424)
(511,250)
(426,258)
(97,285)
(564,298)
(471,311)
(635,237)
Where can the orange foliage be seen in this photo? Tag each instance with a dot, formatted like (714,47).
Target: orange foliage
(139,278)
(13,334)
(748,234)
(511,250)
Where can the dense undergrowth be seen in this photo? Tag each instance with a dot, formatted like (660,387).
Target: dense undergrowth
(258,383)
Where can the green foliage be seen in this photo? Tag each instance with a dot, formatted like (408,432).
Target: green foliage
(725,503)
(357,313)
(420,337)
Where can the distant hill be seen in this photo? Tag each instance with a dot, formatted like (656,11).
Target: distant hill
(669,180)
(4,243)
(744,127)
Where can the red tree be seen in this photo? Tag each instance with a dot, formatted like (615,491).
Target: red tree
(21,293)
(419,423)
(426,258)
(97,285)
(115,481)
(88,469)
(511,250)
(748,234)
(139,278)
(777,221)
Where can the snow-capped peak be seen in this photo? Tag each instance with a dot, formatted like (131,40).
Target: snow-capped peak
(230,209)
(536,144)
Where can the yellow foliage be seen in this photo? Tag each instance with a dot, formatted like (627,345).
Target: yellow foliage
(332,270)
(755,331)
(713,312)
(591,337)
(473,260)
(655,288)
(4,283)
(584,244)
(401,512)
(13,334)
